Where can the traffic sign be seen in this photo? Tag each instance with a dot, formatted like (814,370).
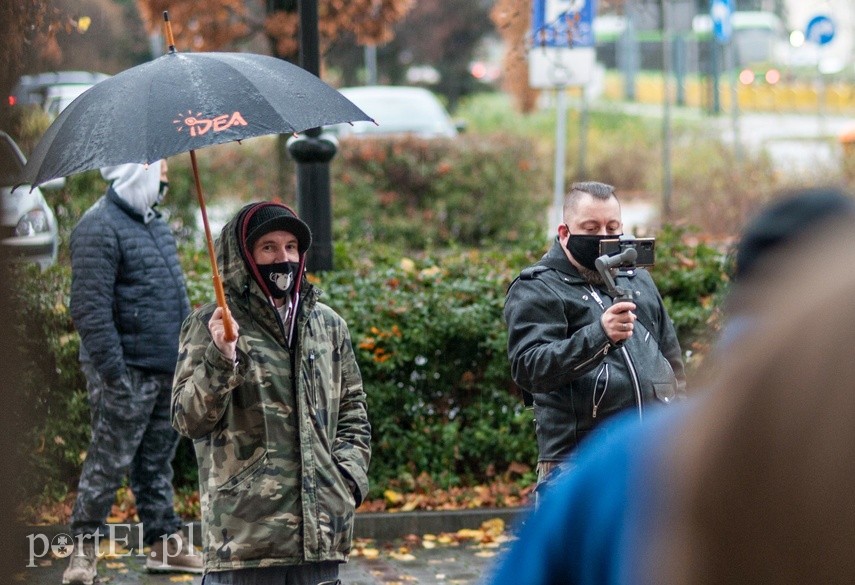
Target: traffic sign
(721,13)
(562,23)
(820,29)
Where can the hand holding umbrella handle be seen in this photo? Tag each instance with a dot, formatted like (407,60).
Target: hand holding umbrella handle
(229,333)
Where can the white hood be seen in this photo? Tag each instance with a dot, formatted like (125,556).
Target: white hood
(137,184)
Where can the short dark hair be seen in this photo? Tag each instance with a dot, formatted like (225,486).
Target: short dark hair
(593,188)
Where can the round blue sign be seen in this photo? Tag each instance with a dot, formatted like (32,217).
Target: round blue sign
(820,30)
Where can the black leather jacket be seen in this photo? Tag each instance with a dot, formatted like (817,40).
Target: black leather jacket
(560,353)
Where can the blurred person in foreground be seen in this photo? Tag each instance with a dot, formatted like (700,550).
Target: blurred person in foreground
(747,482)
(128,299)
(582,356)
(278,415)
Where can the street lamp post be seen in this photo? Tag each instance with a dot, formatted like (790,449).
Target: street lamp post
(312,152)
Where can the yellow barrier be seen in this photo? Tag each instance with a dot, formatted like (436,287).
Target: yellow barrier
(836,98)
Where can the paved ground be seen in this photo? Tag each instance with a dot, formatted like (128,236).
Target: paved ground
(395,563)
(464,557)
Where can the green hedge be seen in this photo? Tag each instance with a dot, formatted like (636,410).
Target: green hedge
(417,194)
(429,337)
(428,237)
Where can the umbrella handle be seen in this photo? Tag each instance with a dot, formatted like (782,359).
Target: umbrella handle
(168,25)
(228,325)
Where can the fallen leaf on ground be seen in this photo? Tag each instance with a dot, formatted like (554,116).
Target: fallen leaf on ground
(470,534)
(370,553)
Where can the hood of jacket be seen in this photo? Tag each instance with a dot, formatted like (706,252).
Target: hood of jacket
(241,278)
(137,185)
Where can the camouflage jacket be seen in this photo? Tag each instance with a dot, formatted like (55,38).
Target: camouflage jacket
(282,439)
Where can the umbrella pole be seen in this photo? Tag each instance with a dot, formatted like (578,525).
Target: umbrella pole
(228,326)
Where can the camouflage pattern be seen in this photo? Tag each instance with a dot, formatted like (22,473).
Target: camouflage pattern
(275,461)
(131,435)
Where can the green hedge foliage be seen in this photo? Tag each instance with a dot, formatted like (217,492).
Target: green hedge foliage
(417,194)
(428,237)
(431,344)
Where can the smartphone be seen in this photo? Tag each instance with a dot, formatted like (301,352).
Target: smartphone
(645,249)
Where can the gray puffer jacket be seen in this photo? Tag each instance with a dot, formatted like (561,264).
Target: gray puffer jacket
(560,353)
(128,295)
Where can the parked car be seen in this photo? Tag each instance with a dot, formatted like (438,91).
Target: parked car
(54,90)
(28,229)
(398,110)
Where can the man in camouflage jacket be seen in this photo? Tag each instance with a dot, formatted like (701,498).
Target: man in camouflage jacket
(277,415)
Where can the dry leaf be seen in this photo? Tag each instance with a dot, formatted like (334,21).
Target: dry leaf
(370,553)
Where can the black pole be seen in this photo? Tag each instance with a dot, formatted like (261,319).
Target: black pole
(715,70)
(312,152)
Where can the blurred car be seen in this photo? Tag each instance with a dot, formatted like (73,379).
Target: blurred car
(398,110)
(28,230)
(54,90)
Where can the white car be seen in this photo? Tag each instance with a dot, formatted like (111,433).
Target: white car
(398,110)
(53,90)
(28,230)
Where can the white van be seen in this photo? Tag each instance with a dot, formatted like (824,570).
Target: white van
(53,90)
(58,97)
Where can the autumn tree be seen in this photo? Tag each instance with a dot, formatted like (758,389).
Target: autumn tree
(113,40)
(29,29)
(445,35)
(513,19)
(230,24)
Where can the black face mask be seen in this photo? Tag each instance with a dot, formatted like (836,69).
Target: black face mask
(585,249)
(279,277)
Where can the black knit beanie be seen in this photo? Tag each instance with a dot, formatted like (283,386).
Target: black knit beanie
(269,217)
(797,213)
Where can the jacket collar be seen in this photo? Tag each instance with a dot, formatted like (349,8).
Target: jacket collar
(556,259)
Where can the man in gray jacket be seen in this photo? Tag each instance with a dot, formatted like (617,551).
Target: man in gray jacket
(128,299)
(582,356)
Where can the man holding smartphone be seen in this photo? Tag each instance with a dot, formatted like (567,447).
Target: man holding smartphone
(582,356)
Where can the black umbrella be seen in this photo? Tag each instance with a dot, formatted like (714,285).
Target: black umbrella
(182,102)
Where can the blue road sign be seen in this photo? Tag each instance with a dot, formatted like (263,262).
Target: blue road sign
(820,29)
(562,23)
(721,13)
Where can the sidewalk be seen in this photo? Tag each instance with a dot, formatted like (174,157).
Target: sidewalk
(416,548)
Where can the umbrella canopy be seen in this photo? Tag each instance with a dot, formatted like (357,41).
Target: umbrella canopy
(182,102)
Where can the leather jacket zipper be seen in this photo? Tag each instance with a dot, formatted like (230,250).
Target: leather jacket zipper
(599,355)
(636,386)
